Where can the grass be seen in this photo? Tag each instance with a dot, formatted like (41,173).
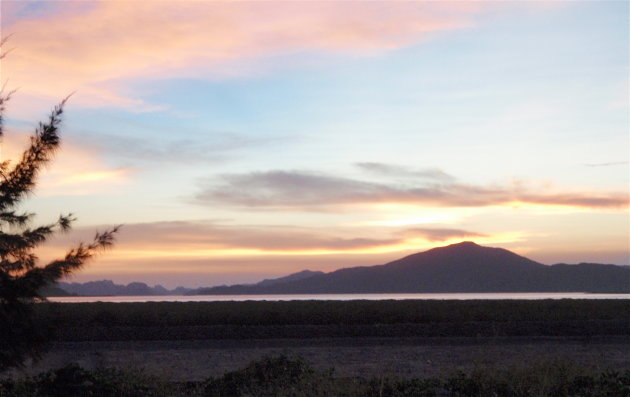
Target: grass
(284,376)
(255,319)
(332,312)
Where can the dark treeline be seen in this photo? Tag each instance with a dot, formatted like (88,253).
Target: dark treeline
(299,319)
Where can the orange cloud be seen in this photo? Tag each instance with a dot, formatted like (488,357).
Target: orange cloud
(92,47)
(185,240)
(75,170)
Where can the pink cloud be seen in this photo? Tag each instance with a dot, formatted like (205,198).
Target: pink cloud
(92,47)
(75,171)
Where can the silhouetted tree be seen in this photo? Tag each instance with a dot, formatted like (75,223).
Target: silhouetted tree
(21,276)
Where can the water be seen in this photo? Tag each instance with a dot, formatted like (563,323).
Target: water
(341,297)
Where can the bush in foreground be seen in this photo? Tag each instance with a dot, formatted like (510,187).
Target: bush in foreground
(292,377)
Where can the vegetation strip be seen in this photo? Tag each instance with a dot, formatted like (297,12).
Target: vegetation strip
(319,319)
(284,376)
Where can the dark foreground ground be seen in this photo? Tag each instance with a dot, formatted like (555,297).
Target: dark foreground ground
(411,339)
(358,356)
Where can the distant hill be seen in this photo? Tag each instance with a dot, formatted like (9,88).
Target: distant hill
(233,289)
(51,290)
(108,288)
(291,277)
(463,267)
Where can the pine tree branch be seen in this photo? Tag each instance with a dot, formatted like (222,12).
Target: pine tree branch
(14,219)
(36,278)
(3,41)
(17,245)
(20,181)
(19,263)
(3,100)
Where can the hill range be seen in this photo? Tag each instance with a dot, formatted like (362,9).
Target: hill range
(463,267)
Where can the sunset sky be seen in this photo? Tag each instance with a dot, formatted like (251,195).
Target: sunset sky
(238,141)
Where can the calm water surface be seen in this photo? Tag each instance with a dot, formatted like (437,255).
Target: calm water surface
(342,297)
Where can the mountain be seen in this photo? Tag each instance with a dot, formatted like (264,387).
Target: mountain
(291,277)
(51,290)
(233,289)
(463,267)
(108,288)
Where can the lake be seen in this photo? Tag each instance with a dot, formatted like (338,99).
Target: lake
(342,297)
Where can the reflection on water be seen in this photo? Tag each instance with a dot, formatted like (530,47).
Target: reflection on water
(342,297)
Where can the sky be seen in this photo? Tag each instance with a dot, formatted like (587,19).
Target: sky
(237,141)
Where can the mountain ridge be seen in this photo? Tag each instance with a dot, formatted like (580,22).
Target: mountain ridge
(109,288)
(462,267)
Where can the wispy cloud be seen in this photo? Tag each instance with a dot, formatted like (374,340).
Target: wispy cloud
(210,239)
(93,47)
(389,170)
(212,147)
(76,170)
(313,191)
(435,234)
(609,164)
(264,238)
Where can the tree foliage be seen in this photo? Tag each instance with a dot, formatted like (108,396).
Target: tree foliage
(21,275)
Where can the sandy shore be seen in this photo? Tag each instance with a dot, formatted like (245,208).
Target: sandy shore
(408,357)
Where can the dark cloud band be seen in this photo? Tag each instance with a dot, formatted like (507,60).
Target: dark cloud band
(305,190)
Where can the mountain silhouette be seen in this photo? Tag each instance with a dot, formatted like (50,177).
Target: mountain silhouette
(108,288)
(463,267)
(291,277)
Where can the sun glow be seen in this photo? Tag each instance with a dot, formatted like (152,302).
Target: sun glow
(397,214)
(93,176)
(405,245)
(407,215)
